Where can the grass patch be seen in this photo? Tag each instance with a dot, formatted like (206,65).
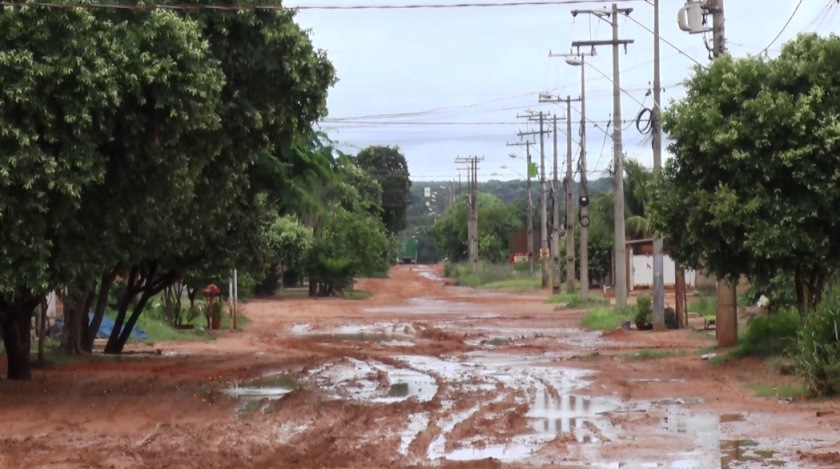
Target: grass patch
(357,294)
(766,336)
(581,304)
(648,354)
(605,318)
(293,293)
(493,276)
(517,284)
(780,391)
(563,298)
(704,306)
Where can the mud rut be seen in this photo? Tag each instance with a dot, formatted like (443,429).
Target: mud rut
(422,375)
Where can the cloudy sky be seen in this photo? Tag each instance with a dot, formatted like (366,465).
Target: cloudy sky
(449,82)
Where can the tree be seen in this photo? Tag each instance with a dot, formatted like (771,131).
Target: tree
(496,221)
(388,167)
(349,236)
(289,245)
(752,187)
(58,106)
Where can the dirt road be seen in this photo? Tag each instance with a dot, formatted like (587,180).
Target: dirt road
(423,375)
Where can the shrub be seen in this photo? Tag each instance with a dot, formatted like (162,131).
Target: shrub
(644,309)
(816,351)
(769,335)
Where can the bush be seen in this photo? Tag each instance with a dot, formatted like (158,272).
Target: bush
(644,310)
(607,318)
(768,335)
(816,351)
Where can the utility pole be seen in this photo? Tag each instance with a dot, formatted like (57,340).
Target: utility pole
(530,228)
(579,59)
(555,232)
(570,220)
(472,208)
(726,321)
(656,134)
(543,200)
(619,249)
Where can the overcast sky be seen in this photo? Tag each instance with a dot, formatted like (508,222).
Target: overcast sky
(449,82)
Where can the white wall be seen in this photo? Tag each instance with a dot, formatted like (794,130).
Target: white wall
(641,272)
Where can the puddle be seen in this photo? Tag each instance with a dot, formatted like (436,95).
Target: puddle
(428,306)
(677,401)
(569,414)
(374,382)
(656,380)
(504,453)
(271,386)
(416,424)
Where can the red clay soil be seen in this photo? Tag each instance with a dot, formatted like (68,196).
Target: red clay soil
(486,359)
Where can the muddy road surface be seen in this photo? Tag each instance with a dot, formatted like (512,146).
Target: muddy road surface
(419,375)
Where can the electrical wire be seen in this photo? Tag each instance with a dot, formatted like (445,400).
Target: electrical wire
(639,119)
(787,23)
(665,40)
(603,145)
(241,8)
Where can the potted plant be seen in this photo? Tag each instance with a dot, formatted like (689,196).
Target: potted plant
(644,313)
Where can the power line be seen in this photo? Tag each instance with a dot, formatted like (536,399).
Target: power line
(241,8)
(667,41)
(787,23)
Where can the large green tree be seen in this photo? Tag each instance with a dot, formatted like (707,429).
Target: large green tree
(495,222)
(388,166)
(752,188)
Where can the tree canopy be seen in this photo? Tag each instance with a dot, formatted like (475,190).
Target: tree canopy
(752,186)
(129,142)
(495,222)
(388,167)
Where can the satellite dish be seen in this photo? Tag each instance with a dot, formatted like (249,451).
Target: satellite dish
(690,18)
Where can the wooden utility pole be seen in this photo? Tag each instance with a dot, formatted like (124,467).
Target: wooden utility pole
(544,253)
(530,228)
(619,250)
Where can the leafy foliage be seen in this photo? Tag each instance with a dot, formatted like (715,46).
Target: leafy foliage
(751,189)
(387,166)
(816,351)
(496,220)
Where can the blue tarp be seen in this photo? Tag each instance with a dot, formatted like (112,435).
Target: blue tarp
(108,325)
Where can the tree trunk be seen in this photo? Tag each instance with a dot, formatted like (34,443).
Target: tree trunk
(132,321)
(16,322)
(131,289)
(105,284)
(42,329)
(76,320)
(313,288)
(799,286)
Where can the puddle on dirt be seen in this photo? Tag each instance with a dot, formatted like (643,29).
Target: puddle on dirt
(656,380)
(428,306)
(569,414)
(416,424)
(374,381)
(504,453)
(271,386)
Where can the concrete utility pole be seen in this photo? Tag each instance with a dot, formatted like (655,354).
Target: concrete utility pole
(555,221)
(578,59)
(656,134)
(726,321)
(619,249)
(544,253)
(570,205)
(472,207)
(527,144)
